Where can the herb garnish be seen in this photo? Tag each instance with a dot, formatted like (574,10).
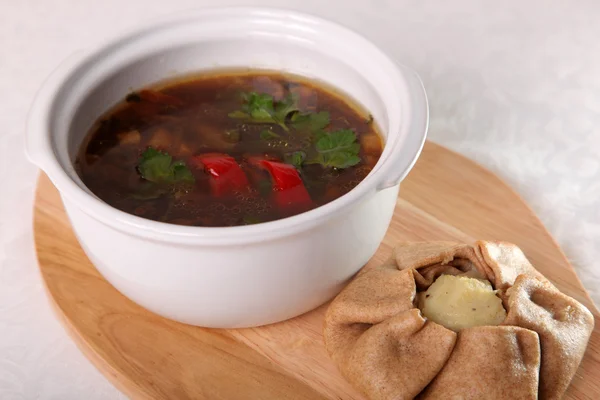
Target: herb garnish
(338,149)
(310,121)
(260,108)
(296,158)
(158,167)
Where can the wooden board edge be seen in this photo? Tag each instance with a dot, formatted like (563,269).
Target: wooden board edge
(87,349)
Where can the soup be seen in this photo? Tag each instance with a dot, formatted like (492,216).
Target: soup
(228,149)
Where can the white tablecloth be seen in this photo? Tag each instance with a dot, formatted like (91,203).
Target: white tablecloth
(514,85)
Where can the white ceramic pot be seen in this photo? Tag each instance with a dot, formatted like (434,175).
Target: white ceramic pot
(234,276)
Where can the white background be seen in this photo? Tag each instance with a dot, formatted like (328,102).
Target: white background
(512,84)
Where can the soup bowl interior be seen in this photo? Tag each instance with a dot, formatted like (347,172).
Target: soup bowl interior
(228,39)
(130,251)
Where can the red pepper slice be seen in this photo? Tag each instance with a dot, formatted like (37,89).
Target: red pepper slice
(227,176)
(289,191)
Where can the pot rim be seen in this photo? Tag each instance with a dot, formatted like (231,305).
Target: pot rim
(397,159)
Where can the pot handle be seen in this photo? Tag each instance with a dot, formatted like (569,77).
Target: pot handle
(406,150)
(38,145)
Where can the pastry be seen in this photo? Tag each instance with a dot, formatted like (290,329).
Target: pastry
(445,320)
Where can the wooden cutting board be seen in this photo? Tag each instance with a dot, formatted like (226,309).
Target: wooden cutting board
(446,197)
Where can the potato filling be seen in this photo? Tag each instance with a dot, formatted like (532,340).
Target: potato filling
(459,302)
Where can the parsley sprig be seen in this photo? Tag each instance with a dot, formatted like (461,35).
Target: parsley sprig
(158,167)
(260,108)
(313,122)
(336,149)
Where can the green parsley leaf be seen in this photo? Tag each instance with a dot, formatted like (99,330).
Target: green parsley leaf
(286,107)
(296,158)
(338,149)
(311,121)
(260,108)
(257,108)
(181,173)
(158,167)
(258,103)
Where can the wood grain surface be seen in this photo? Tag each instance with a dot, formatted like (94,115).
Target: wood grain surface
(148,357)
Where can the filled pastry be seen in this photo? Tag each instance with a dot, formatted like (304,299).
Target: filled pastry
(444,320)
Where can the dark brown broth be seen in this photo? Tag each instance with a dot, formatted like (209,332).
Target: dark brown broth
(192,121)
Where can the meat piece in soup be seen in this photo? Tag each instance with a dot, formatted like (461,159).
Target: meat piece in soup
(227,149)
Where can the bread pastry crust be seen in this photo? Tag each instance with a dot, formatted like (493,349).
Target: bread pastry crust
(382,344)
